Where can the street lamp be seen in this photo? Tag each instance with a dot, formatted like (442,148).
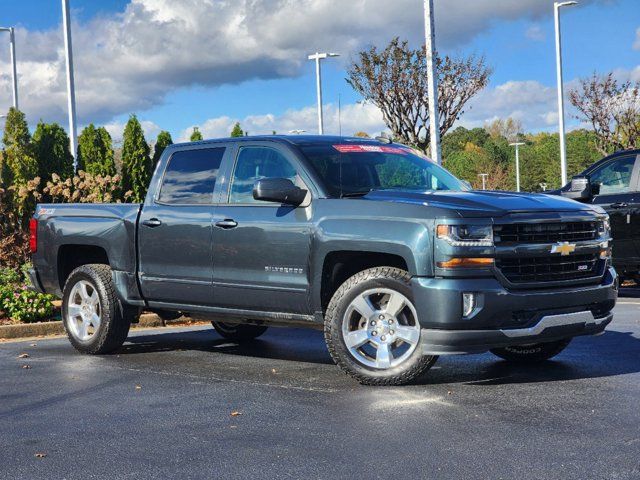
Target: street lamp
(432,81)
(14,70)
(484,180)
(317,57)
(517,144)
(71,91)
(563,148)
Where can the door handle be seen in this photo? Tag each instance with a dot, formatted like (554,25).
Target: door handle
(619,205)
(227,223)
(152,222)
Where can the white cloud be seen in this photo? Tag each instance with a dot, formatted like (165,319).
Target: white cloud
(636,44)
(535,33)
(129,61)
(354,118)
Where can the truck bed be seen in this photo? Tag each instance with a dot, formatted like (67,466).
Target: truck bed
(106,227)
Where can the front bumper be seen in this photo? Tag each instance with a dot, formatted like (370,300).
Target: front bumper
(507,317)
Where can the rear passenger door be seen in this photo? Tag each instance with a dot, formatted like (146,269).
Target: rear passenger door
(262,249)
(175,229)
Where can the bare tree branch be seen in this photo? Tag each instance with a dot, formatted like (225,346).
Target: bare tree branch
(395,80)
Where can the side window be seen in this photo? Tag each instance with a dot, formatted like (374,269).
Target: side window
(255,163)
(615,176)
(191,176)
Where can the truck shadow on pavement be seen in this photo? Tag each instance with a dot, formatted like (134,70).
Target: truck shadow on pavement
(614,353)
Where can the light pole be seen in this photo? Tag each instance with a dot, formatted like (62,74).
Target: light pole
(317,57)
(517,145)
(484,180)
(563,148)
(432,81)
(71,91)
(14,70)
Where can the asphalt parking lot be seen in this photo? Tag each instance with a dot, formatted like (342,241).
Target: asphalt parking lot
(183,403)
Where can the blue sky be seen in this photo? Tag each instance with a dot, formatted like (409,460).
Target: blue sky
(201,63)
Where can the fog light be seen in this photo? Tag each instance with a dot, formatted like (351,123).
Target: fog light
(468,303)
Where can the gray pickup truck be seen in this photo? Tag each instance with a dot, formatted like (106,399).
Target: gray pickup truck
(393,256)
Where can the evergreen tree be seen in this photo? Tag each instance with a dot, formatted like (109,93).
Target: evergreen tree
(51,149)
(196,135)
(237,130)
(162,142)
(18,161)
(136,164)
(95,151)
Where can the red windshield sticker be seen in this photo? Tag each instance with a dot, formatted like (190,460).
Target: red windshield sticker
(369,149)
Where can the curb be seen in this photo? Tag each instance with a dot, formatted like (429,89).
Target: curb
(26,330)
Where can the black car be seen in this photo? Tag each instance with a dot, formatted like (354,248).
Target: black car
(614,184)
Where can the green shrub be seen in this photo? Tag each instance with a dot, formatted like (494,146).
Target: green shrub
(20,304)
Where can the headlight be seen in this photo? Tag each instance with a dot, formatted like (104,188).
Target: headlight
(604,228)
(466,235)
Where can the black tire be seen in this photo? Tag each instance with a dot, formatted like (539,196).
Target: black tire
(534,353)
(387,278)
(115,318)
(238,332)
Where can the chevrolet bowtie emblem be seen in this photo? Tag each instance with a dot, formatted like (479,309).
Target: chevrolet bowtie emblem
(563,248)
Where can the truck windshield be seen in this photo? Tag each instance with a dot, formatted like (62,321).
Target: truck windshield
(351,170)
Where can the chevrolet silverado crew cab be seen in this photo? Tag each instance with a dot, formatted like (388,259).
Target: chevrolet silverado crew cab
(395,258)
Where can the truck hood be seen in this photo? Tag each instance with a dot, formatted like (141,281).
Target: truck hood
(477,203)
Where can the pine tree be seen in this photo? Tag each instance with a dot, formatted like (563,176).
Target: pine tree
(237,130)
(162,142)
(18,161)
(136,164)
(196,135)
(51,149)
(95,151)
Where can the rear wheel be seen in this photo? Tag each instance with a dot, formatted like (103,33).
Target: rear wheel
(93,317)
(238,333)
(372,329)
(534,353)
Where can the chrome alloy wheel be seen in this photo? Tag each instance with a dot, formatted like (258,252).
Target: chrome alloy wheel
(84,314)
(380,328)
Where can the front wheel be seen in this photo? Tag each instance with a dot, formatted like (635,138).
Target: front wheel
(372,329)
(93,317)
(534,353)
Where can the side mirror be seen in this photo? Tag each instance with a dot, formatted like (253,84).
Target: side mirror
(280,190)
(580,189)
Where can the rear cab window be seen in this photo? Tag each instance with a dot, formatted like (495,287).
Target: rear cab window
(190,176)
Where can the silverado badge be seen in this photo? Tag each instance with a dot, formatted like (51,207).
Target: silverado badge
(563,248)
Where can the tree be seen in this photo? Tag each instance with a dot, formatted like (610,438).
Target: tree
(136,164)
(18,161)
(51,149)
(509,128)
(395,80)
(612,110)
(163,141)
(196,135)
(95,151)
(237,130)
(361,134)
